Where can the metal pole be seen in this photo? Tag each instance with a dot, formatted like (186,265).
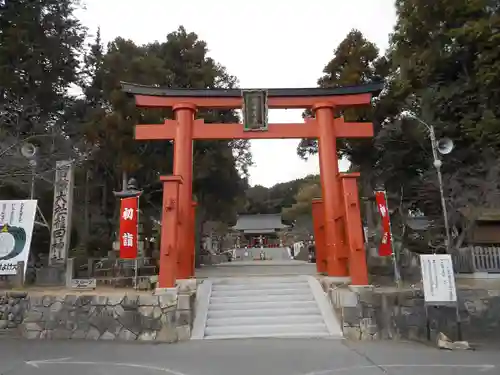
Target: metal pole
(136,263)
(437,165)
(136,274)
(33,178)
(32,188)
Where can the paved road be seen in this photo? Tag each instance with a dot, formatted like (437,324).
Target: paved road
(240,357)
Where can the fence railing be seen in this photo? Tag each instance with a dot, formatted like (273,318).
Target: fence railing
(477,259)
(116,272)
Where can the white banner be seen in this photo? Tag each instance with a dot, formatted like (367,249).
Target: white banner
(16,228)
(61,212)
(438,278)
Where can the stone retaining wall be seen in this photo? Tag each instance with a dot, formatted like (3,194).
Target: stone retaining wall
(212,259)
(166,318)
(372,315)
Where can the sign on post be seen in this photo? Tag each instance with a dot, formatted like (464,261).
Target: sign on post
(16,228)
(255,110)
(440,290)
(438,279)
(84,284)
(61,212)
(128,227)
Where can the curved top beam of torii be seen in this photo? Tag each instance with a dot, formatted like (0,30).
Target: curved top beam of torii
(154,96)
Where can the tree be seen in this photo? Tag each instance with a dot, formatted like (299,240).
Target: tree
(182,62)
(433,57)
(356,61)
(449,47)
(307,192)
(438,52)
(40,42)
(429,69)
(40,45)
(258,200)
(262,200)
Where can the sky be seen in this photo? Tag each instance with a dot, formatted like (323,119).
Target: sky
(266,44)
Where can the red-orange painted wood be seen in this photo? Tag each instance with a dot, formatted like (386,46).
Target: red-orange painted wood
(309,129)
(336,262)
(168,242)
(354,231)
(236,103)
(183,166)
(318,214)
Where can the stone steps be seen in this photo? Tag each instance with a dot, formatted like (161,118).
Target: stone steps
(265,307)
(267,335)
(262,298)
(237,290)
(263,320)
(263,281)
(303,310)
(257,330)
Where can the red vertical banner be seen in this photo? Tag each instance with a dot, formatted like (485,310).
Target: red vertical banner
(385,248)
(128,227)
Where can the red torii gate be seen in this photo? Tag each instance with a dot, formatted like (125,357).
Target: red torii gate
(338,228)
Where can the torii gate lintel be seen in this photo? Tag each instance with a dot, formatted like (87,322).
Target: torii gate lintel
(201,130)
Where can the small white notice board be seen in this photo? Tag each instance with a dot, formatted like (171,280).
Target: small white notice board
(438,279)
(84,284)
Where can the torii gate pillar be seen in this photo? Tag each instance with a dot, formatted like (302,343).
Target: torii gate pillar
(337,262)
(183,166)
(169,251)
(318,214)
(352,234)
(354,229)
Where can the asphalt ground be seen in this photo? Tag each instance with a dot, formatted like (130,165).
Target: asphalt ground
(241,357)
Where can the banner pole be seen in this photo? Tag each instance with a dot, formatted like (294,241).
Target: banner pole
(397,275)
(136,265)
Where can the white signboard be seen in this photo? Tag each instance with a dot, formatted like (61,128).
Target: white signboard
(438,278)
(61,212)
(16,227)
(83,284)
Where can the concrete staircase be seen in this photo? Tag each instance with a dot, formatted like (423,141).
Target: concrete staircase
(263,307)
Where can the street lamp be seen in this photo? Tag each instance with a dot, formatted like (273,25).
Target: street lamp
(443,146)
(130,191)
(30,152)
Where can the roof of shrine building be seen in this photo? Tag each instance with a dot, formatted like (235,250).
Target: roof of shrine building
(259,224)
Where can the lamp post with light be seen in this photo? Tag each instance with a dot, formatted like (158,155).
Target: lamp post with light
(443,146)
